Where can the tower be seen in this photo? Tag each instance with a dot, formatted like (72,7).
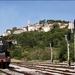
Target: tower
(28,25)
(28,22)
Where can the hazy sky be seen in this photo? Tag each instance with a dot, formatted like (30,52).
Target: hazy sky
(17,13)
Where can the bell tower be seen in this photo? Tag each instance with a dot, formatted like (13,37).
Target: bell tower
(28,22)
(28,25)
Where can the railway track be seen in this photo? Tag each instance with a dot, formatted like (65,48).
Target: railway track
(12,72)
(47,68)
(17,70)
(38,69)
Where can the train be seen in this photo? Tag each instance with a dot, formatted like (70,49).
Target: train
(5,57)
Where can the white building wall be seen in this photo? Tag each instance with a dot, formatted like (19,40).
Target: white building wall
(24,29)
(6,34)
(18,31)
(71,26)
(46,29)
(30,28)
(9,32)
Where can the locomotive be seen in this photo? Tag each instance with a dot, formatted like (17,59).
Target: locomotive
(4,54)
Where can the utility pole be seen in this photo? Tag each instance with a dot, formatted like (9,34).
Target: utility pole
(67,38)
(51,45)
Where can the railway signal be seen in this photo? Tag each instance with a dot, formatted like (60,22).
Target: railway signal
(68,36)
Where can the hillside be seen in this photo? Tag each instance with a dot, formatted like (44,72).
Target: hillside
(36,45)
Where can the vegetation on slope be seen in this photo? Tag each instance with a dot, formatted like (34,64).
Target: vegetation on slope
(36,45)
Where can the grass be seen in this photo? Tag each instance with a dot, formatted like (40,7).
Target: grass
(15,60)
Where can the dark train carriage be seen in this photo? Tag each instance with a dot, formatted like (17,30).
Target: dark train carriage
(4,54)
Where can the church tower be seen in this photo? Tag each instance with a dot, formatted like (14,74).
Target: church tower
(28,25)
(28,22)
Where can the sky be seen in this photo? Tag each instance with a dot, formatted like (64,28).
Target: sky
(16,13)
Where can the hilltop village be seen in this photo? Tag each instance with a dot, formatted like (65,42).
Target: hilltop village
(37,27)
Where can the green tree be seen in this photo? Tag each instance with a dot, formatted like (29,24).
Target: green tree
(13,29)
(63,52)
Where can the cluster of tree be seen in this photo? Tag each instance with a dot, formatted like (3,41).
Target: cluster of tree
(52,21)
(36,45)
